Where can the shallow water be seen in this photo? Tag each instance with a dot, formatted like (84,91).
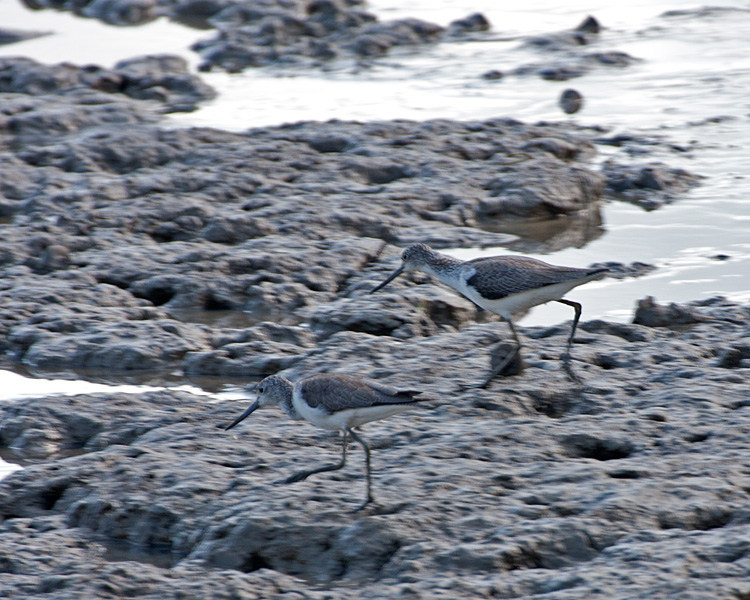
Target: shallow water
(694,69)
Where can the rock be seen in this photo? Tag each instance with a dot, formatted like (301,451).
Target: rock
(570,101)
(242,361)
(617,270)
(730,358)
(54,258)
(552,487)
(131,248)
(561,149)
(538,196)
(561,73)
(232,231)
(122,12)
(589,25)
(647,186)
(652,314)
(613,58)
(471,23)
(421,314)
(164,79)
(328,29)
(493,75)
(11,36)
(329,143)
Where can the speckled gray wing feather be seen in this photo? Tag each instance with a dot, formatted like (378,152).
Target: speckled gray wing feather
(500,276)
(334,392)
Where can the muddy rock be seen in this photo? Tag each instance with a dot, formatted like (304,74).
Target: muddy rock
(11,36)
(533,486)
(473,22)
(570,101)
(165,79)
(247,38)
(652,314)
(65,319)
(568,54)
(617,270)
(509,195)
(648,186)
(576,64)
(422,312)
(114,12)
(112,228)
(262,350)
(125,244)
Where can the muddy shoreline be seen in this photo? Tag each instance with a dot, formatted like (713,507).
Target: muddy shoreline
(634,482)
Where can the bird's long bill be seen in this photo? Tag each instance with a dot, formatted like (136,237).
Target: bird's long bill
(243,416)
(393,276)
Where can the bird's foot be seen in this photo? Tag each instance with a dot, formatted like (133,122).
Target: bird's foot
(369,502)
(505,360)
(301,476)
(389,509)
(466,387)
(568,368)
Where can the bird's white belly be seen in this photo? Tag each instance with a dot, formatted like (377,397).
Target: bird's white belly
(505,307)
(347,418)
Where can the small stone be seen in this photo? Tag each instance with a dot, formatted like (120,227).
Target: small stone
(570,101)
(493,75)
(730,358)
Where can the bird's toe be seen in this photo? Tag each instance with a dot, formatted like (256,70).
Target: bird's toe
(296,477)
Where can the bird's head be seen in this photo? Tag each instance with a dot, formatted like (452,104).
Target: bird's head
(412,259)
(271,390)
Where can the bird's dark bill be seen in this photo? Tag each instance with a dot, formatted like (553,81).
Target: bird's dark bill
(243,416)
(393,276)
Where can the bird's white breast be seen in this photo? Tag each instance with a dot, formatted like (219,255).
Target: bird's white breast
(515,303)
(346,418)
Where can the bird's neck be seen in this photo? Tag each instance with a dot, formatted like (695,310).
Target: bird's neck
(288,407)
(445,268)
(286,403)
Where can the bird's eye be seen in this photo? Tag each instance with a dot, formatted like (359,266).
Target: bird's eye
(261,389)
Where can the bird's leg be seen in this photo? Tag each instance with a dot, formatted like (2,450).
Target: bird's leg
(302,475)
(566,357)
(366,448)
(508,358)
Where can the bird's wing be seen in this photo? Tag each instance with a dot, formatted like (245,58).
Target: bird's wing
(335,391)
(500,276)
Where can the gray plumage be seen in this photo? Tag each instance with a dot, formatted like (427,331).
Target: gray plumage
(499,276)
(505,285)
(333,401)
(334,392)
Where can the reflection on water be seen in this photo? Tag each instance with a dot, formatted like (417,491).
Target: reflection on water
(550,235)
